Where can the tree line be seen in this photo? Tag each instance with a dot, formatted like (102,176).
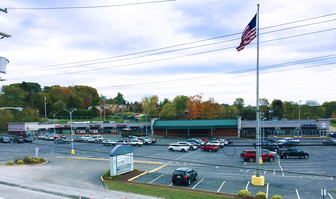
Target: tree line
(34,99)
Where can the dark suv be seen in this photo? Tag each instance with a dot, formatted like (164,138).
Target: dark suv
(184,176)
(18,139)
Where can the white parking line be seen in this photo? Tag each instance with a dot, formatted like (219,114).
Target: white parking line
(265,171)
(267,190)
(221,186)
(185,163)
(283,174)
(197,184)
(217,167)
(246,188)
(332,178)
(273,171)
(297,193)
(171,184)
(177,163)
(247,170)
(156,178)
(330,196)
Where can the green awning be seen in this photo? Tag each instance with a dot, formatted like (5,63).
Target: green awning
(195,124)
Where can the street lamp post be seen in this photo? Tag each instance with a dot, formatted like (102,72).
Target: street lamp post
(300,109)
(54,122)
(72,145)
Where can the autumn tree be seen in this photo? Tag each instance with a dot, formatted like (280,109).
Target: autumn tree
(209,109)
(150,105)
(168,112)
(194,107)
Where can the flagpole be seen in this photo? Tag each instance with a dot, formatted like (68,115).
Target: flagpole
(257,111)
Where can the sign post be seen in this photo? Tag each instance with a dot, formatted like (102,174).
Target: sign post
(121,160)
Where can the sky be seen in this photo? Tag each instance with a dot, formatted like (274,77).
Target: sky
(169,48)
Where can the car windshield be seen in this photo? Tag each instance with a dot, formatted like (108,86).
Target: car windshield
(179,172)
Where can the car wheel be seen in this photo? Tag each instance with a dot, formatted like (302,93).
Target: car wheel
(287,156)
(306,156)
(210,150)
(183,150)
(202,149)
(271,159)
(195,177)
(171,149)
(251,159)
(113,145)
(188,182)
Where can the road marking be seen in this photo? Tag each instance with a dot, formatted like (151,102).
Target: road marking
(81,172)
(297,193)
(330,196)
(283,174)
(217,167)
(267,190)
(247,170)
(265,171)
(331,178)
(221,186)
(137,176)
(197,184)
(160,167)
(156,178)
(177,163)
(185,163)
(246,188)
(244,162)
(273,171)
(184,155)
(171,184)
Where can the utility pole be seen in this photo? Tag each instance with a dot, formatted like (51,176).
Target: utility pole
(45,107)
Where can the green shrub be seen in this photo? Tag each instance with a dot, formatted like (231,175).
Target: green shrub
(117,177)
(260,195)
(136,170)
(19,162)
(42,160)
(10,163)
(35,161)
(243,193)
(276,197)
(106,174)
(27,160)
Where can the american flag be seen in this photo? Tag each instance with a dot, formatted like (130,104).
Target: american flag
(249,34)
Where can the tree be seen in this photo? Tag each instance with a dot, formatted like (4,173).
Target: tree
(330,108)
(209,110)
(278,110)
(120,99)
(194,107)
(13,96)
(168,112)
(239,103)
(162,103)
(180,105)
(150,105)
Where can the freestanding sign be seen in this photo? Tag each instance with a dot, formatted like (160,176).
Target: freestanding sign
(121,160)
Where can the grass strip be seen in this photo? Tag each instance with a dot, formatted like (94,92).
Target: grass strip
(162,192)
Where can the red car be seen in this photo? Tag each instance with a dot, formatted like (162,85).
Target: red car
(250,155)
(209,148)
(204,139)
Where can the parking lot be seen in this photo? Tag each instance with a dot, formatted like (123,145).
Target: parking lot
(222,171)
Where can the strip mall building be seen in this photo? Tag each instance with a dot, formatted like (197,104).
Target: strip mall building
(182,128)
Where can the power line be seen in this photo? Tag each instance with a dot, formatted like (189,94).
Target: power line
(87,7)
(181,56)
(66,65)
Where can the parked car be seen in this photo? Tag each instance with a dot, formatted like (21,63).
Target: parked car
(146,140)
(201,142)
(50,137)
(85,137)
(122,142)
(329,141)
(250,155)
(209,148)
(61,141)
(288,140)
(153,140)
(194,142)
(184,176)
(109,142)
(5,139)
(178,147)
(268,145)
(78,139)
(288,144)
(266,139)
(28,140)
(191,146)
(18,139)
(204,140)
(215,142)
(59,136)
(293,152)
(42,136)
(135,142)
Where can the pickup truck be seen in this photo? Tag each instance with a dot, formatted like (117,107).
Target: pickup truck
(250,155)
(293,152)
(288,139)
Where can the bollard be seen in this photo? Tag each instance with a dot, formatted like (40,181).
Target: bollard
(80,197)
(90,196)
